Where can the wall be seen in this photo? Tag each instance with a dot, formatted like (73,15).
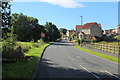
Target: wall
(95,30)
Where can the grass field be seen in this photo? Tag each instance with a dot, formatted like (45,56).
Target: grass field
(24,69)
(100,54)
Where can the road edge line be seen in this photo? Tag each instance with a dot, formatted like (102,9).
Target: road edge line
(40,60)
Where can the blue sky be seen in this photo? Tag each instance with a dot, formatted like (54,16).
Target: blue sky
(105,13)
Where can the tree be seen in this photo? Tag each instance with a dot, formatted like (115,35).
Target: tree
(26,28)
(8,38)
(63,30)
(6,15)
(73,35)
(6,19)
(52,32)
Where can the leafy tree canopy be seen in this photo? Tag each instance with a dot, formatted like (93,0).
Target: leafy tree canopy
(63,30)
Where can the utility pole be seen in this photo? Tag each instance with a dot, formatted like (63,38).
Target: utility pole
(81,19)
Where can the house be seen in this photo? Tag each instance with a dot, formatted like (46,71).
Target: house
(117,30)
(81,35)
(110,31)
(69,32)
(90,30)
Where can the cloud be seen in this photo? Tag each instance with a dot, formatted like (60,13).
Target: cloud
(65,3)
(74,1)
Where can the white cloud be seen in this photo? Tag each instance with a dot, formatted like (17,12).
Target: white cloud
(65,3)
(76,1)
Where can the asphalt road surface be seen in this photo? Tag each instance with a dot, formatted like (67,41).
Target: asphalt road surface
(62,60)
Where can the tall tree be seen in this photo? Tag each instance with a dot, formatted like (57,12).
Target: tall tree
(6,19)
(8,38)
(52,32)
(26,28)
(6,15)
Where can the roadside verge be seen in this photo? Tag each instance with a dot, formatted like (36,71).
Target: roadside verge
(40,60)
(111,58)
(24,69)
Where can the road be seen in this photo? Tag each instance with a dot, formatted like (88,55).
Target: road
(62,60)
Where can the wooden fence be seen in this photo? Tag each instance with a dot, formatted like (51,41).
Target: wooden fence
(104,47)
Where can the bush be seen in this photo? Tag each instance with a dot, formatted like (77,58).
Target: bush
(117,37)
(8,44)
(93,40)
(108,38)
(39,43)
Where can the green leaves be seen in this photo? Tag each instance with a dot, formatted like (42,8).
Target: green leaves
(63,30)
(52,32)
(6,11)
(27,28)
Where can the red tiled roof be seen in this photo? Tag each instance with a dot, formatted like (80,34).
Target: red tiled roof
(87,25)
(78,26)
(100,25)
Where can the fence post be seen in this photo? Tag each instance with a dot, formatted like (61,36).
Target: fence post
(110,49)
(105,48)
(119,50)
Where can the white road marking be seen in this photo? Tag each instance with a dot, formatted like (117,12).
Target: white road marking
(101,70)
(111,74)
(78,56)
(71,67)
(98,57)
(90,72)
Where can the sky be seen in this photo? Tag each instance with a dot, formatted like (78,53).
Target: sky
(67,14)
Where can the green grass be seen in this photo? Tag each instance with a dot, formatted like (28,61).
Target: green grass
(100,54)
(24,69)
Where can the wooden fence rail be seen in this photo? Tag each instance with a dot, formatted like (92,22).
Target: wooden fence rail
(104,47)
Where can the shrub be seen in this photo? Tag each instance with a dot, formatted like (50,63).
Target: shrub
(117,37)
(39,43)
(8,44)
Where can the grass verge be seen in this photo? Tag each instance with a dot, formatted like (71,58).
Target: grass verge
(100,54)
(23,69)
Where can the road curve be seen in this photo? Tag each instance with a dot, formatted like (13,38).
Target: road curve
(62,60)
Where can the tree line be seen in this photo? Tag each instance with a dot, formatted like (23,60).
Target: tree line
(28,29)
(20,27)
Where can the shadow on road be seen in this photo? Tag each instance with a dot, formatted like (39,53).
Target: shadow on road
(62,44)
(49,69)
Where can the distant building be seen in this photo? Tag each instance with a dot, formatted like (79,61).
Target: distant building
(90,29)
(69,32)
(110,31)
(81,35)
(117,29)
